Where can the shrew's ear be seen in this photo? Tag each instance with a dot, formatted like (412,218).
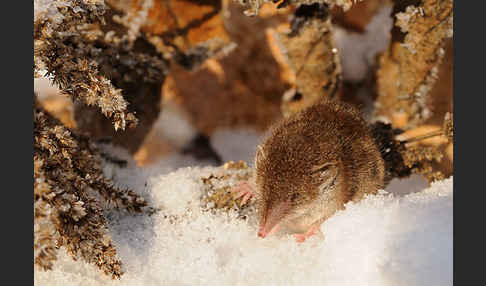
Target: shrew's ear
(259,155)
(326,174)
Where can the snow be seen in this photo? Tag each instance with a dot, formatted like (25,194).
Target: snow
(402,236)
(400,240)
(231,144)
(413,184)
(358,51)
(48,9)
(174,125)
(44,88)
(236,144)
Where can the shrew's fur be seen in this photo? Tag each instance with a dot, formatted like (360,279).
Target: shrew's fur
(315,161)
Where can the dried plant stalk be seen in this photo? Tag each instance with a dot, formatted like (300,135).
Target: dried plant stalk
(448,126)
(420,159)
(254,5)
(81,47)
(408,70)
(67,173)
(45,235)
(244,88)
(358,16)
(310,49)
(218,186)
(62,36)
(187,31)
(403,159)
(425,153)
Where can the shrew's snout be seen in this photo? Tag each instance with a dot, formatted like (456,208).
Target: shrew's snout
(272,218)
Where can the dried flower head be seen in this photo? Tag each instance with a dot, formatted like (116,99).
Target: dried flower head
(312,56)
(66,213)
(448,126)
(420,159)
(63,32)
(254,5)
(409,69)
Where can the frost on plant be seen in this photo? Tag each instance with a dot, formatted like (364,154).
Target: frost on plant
(403,156)
(408,70)
(408,93)
(243,88)
(119,70)
(219,186)
(117,58)
(448,126)
(187,31)
(254,5)
(67,213)
(422,159)
(98,63)
(62,46)
(311,53)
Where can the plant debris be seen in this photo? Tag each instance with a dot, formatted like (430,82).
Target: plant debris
(62,47)
(218,194)
(67,212)
(312,55)
(408,70)
(253,6)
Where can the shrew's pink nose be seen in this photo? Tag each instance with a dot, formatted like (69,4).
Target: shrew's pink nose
(262,233)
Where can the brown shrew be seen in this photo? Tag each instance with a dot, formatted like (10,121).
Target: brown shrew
(313,163)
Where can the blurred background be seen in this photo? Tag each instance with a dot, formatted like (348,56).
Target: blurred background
(216,108)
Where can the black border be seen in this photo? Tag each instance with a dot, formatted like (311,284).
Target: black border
(17,141)
(469,111)
(17,127)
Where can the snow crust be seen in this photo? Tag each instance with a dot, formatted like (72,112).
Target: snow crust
(387,239)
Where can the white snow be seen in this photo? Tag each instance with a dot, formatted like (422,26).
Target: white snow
(413,184)
(386,239)
(174,125)
(44,88)
(236,144)
(231,144)
(48,9)
(358,51)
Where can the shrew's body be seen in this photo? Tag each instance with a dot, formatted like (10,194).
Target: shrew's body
(312,164)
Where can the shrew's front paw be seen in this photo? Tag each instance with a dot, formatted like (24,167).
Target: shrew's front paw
(245,190)
(301,237)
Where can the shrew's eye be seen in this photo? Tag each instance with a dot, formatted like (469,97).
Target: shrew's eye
(325,174)
(320,169)
(293,197)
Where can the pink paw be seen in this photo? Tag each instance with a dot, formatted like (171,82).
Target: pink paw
(301,237)
(243,189)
